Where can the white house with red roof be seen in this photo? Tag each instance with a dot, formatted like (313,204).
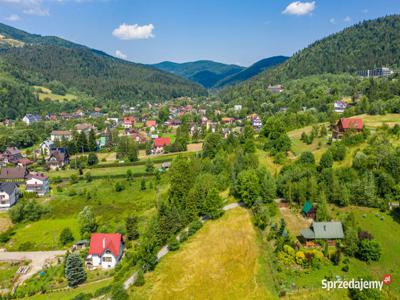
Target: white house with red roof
(151,124)
(129,122)
(160,143)
(105,250)
(37,183)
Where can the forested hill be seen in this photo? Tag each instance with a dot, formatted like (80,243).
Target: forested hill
(253,70)
(204,72)
(369,44)
(37,60)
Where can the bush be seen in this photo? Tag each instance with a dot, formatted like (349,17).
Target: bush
(102,291)
(140,278)
(83,296)
(26,211)
(26,246)
(183,237)
(289,250)
(119,187)
(194,227)
(173,244)
(369,250)
(66,236)
(118,292)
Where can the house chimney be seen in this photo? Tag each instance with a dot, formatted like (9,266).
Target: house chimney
(104,243)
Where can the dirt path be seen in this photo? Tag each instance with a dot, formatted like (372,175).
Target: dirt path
(37,260)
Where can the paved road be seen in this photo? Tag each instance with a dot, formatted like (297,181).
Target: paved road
(37,260)
(164,250)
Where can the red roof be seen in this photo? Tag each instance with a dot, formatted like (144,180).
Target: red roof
(161,142)
(100,242)
(151,123)
(129,120)
(352,123)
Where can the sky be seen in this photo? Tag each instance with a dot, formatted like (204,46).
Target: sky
(229,31)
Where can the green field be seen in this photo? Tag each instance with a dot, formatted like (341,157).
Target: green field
(8,273)
(45,93)
(219,262)
(110,207)
(43,234)
(88,288)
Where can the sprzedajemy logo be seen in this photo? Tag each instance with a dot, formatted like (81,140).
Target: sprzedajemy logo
(359,284)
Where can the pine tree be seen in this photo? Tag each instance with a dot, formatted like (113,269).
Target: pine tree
(74,270)
(92,145)
(131,225)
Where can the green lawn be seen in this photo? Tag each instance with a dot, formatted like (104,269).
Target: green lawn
(111,171)
(69,294)
(111,209)
(8,273)
(43,234)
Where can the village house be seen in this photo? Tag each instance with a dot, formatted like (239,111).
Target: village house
(228,121)
(339,107)
(85,127)
(16,174)
(105,250)
(128,122)
(29,119)
(58,158)
(256,122)
(45,147)
(308,210)
(9,194)
(10,156)
(59,135)
(345,125)
(24,162)
(276,89)
(329,231)
(151,124)
(160,144)
(37,183)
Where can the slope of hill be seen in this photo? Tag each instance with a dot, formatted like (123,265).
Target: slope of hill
(369,44)
(204,72)
(38,60)
(253,70)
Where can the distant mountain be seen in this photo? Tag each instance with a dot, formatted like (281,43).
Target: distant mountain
(36,60)
(205,72)
(253,70)
(369,44)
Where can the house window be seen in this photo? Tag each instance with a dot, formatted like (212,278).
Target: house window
(107,259)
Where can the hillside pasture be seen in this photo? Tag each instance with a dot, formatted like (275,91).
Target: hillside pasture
(219,262)
(46,94)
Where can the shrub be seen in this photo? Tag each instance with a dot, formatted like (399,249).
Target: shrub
(369,250)
(102,291)
(118,292)
(289,250)
(119,187)
(173,244)
(140,278)
(183,237)
(300,257)
(194,227)
(66,236)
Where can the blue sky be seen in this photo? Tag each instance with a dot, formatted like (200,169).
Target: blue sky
(229,31)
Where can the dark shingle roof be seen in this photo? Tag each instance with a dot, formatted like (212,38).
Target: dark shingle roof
(8,187)
(324,230)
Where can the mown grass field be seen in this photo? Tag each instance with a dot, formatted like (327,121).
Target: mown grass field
(219,262)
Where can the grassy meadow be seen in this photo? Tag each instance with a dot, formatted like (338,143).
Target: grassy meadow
(223,256)
(66,202)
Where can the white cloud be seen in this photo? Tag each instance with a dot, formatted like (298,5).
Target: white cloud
(133,32)
(13,18)
(347,19)
(299,8)
(332,20)
(37,11)
(364,11)
(120,54)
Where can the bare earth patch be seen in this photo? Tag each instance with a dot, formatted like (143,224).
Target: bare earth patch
(294,221)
